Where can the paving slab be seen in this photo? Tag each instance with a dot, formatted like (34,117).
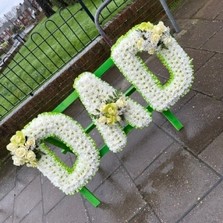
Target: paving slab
(213,154)
(199,57)
(220,16)
(9,220)
(7,178)
(35,216)
(69,210)
(82,118)
(189,8)
(214,44)
(185,25)
(64,158)
(120,200)
(24,176)
(174,182)
(202,118)
(108,164)
(74,109)
(210,10)
(157,117)
(209,79)
(143,146)
(115,78)
(208,210)
(145,216)
(51,194)
(157,68)
(27,200)
(6,207)
(97,137)
(182,102)
(200,33)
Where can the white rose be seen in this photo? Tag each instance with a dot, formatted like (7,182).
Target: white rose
(32,164)
(167,40)
(155,37)
(151,51)
(21,151)
(17,161)
(102,119)
(30,143)
(11,147)
(30,156)
(160,28)
(121,102)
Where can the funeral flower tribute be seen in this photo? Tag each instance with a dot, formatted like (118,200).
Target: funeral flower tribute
(109,108)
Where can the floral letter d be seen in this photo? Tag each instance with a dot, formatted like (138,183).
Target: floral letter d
(28,147)
(154,39)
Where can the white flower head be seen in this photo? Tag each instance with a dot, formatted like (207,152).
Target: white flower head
(21,151)
(17,161)
(121,102)
(11,147)
(30,156)
(30,143)
(155,40)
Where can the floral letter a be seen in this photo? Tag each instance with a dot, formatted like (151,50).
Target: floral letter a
(108,108)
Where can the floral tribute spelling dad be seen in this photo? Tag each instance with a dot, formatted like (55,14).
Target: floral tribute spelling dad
(107,107)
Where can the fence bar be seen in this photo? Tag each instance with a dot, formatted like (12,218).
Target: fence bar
(97,23)
(86,10)
(170,16)
(58,41)
(36,69)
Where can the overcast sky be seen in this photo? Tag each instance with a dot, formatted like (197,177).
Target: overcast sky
(6,5)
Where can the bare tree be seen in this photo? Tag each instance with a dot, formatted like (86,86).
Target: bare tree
(46,6)
(60,3)
(9,17)
(14,11)
(2,21)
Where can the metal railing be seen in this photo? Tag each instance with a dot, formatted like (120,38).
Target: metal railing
(51,46)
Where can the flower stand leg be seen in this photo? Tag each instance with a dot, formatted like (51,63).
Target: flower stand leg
(90,197)
(175,122)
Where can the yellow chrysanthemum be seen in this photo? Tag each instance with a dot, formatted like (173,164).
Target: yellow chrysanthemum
(111,120)
(109,114)
(109,109)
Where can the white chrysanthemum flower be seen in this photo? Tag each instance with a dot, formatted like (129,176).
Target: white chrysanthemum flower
(157,40)
(69,180)
(95,99)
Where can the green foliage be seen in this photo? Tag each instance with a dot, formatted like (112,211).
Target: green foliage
(4,45)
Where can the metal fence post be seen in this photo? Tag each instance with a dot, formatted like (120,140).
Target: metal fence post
(170,16)
(86,10)
(97,23)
